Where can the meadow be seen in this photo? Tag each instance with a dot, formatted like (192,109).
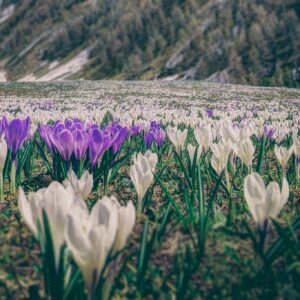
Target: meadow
(149,190)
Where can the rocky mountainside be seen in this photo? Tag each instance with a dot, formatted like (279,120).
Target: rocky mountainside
(237,41)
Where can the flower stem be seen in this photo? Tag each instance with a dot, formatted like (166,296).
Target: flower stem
(13,178)
(1,187)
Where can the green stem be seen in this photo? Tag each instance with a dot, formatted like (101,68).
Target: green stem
(228,185)
(107,287)
(139,205)
(1,187)
(13,188)
(261,154)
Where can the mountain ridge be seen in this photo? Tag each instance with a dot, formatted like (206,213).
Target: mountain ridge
(229,41)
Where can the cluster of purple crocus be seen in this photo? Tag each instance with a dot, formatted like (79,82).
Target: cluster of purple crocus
(155,134)
(16,133)
(75,137)
(42,105)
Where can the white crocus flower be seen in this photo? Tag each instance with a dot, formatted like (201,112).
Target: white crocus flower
(218,164)
(203,137)
(221,150)
(297,155)
(141,174)
(264,203)
(177,137)
(126,215)
(81,188)
(3,154)
(245,151)
(245,133)
(56,202)
(92,237)
(229,133)
(152,159)
(283,155)
(191,151)
(219,159)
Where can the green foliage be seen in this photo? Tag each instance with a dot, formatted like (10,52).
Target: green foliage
(233,41)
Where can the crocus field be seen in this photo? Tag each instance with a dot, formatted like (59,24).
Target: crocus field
(149,190)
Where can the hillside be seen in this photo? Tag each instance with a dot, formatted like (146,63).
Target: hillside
(231,41)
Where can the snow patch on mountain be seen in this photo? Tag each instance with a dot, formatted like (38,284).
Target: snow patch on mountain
(62,71)
(6,13)
(2,76)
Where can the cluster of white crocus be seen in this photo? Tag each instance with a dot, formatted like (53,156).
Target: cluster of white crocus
(3,154)
(141,173)
(264,202)
(283,155)
(177,137)
(90,237)
(219,158)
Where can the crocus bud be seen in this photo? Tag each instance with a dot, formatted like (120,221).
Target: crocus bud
(152,159)
(126,215)
(218,164)
(283,155)
(221,150)
(141,176)
(177,137)
(203,137)
(245,151)
(264,203)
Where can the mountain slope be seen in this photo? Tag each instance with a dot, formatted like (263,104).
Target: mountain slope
(237,41)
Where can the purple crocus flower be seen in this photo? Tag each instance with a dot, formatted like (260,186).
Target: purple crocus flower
(1,128)
(118,134)
(45,131)
(78,124)
(155,133)
(209,112)
(98,143)
(64,142)
(81,142)
(16,133)
(159,136)
(118,139)
(69,124)
(236,125)
(149,138)
(268,132)
(154,125)
(135,130)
